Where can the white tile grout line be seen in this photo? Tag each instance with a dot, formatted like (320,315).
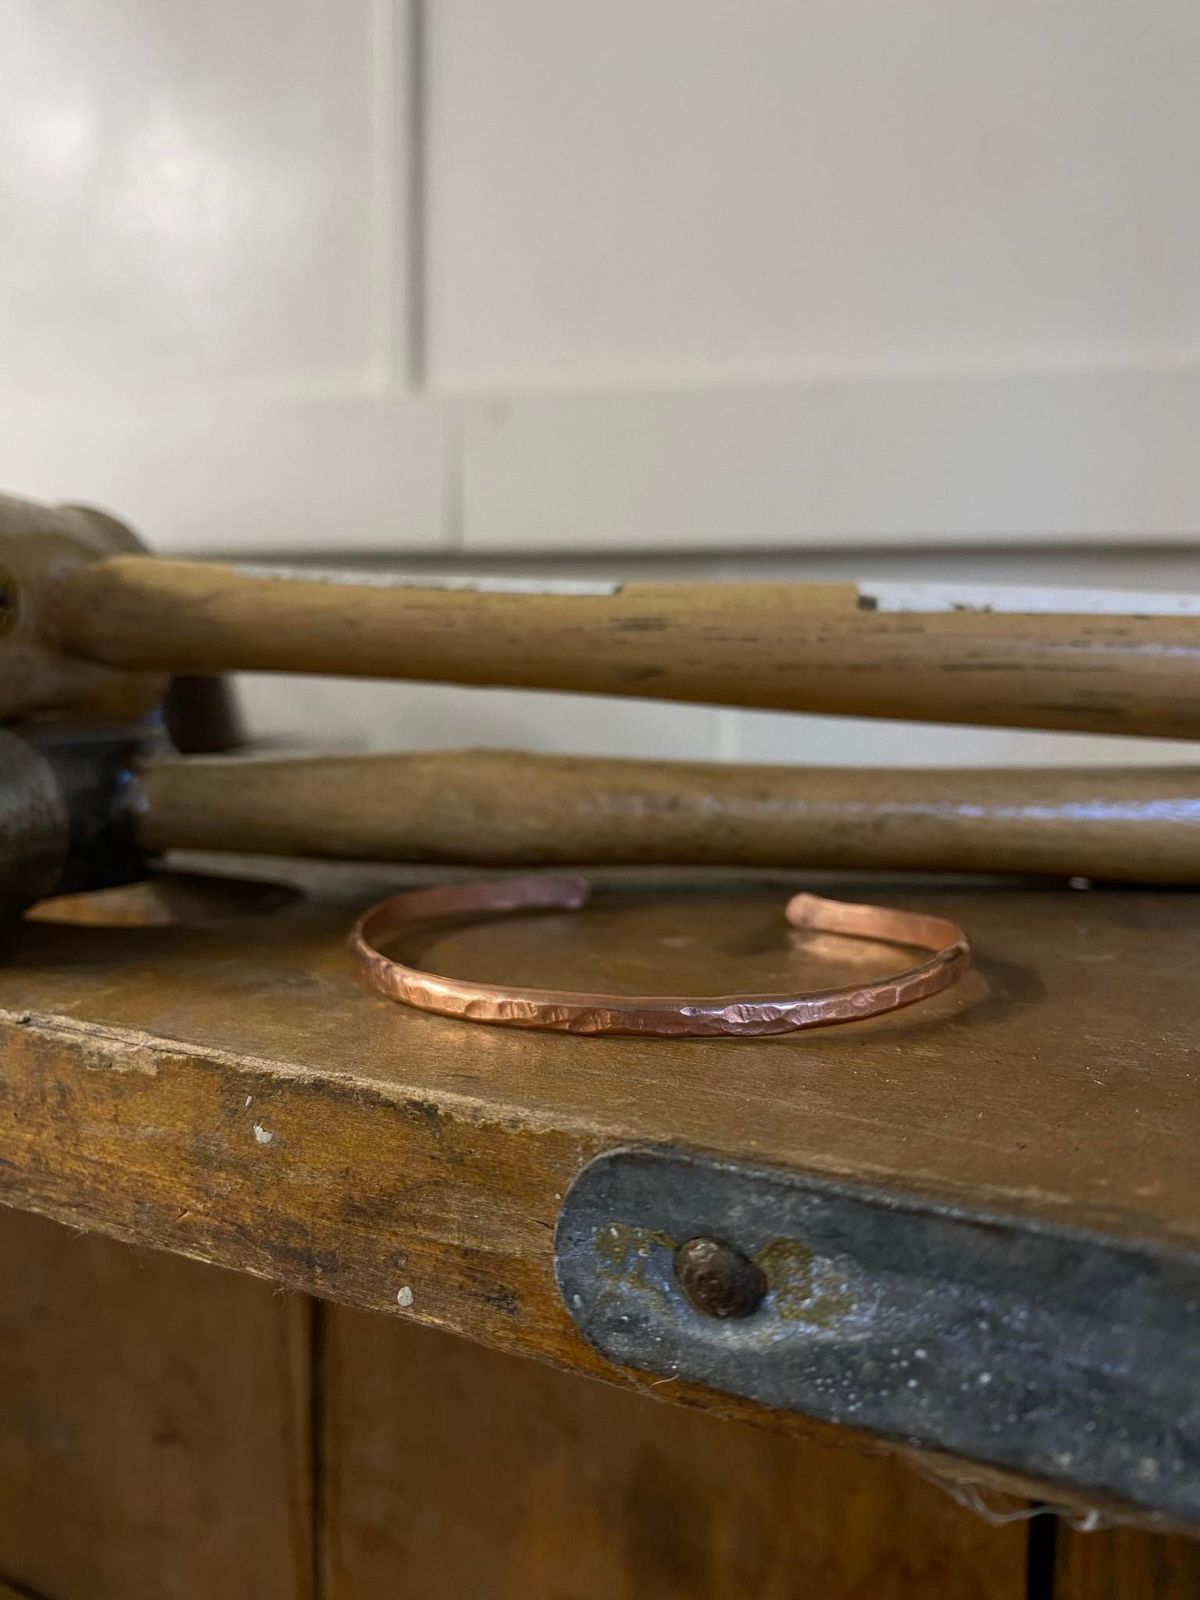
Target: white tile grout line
(727,734)
(416,111)
(390,292)
(381,264)
(453,476)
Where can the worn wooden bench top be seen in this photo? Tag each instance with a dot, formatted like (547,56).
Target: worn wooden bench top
(230,1092)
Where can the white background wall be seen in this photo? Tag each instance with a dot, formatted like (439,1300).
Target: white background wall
(700,286)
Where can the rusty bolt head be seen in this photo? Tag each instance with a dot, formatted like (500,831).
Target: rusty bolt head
(719,1280)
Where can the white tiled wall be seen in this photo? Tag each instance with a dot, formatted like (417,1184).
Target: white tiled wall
(756,191)
(549,281)
(190,192)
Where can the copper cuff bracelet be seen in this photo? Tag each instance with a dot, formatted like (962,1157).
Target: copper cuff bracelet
(668,1016)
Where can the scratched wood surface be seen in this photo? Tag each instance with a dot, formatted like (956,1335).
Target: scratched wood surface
(153,1425)
(458,1471)
(231,1093)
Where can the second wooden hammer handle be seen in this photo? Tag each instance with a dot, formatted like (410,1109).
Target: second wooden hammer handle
(499,809)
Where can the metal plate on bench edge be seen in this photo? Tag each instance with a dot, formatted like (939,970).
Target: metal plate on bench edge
(1047,1350)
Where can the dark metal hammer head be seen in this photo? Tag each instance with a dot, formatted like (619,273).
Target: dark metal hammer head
(68,802)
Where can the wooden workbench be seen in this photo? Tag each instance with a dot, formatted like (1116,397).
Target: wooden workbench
(225,1091)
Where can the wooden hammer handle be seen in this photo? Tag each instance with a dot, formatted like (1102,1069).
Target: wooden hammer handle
(788,646)
(498,809)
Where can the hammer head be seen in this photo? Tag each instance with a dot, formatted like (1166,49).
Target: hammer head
(39,545)
(68,811)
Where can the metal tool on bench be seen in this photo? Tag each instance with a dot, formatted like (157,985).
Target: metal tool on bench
(91,622)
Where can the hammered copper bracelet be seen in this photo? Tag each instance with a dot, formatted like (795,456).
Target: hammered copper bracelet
(668,1016)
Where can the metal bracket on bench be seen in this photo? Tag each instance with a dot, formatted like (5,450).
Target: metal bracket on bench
(1046,1350)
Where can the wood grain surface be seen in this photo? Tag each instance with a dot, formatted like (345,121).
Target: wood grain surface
(458,1472)
(153,1425)
(501,807)
(800,647)
(230,1093)
(1125,1564)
